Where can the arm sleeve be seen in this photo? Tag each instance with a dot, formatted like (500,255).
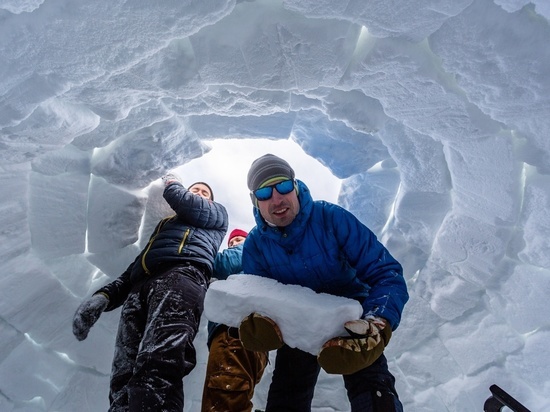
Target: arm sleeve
(195,210)
(228,262)
(118,290)
(374,265)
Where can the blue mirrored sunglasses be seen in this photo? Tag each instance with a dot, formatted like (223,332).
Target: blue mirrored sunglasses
(265,193)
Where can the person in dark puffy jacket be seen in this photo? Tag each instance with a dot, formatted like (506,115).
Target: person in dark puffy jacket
(232,372)
(162,294)
(324,247)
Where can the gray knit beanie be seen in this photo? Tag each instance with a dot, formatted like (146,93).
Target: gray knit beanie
(267,167)
(207,185)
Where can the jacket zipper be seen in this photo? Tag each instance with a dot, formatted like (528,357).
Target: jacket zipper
(143,265)
(182,243)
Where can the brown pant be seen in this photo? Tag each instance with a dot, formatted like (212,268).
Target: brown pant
(232,373)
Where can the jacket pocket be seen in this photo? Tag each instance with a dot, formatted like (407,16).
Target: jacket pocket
(228,383)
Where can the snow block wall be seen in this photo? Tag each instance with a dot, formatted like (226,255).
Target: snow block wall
(433,113)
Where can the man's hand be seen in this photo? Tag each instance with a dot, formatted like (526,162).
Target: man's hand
(170,178)
(347,355)
(260,334)
(369,328)
(87,314)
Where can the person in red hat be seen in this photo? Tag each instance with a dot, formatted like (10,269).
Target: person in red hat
(232,372)
(236,237)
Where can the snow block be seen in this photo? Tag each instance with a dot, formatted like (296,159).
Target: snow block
(307,319)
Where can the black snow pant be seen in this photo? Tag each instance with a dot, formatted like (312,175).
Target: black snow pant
(293,383)
(154,346)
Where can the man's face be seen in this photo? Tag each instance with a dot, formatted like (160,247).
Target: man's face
(280,210)
(236,240)
(201,190)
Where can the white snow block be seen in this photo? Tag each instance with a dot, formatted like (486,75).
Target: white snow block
(307,319)
(57,213)
(114,216)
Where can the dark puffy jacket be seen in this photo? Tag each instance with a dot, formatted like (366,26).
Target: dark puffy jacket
(193,236)
(327,249)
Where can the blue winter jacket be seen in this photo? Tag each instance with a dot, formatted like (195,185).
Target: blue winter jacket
(227,262)
(327,249)
(193,235)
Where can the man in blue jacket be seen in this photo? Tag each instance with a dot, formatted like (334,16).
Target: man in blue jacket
(324,247)
(162,293)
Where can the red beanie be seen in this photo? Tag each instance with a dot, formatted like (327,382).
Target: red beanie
(236,232)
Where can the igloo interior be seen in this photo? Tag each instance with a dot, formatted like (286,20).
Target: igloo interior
(433,114)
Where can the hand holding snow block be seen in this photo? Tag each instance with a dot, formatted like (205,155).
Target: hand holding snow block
(259,333)
(344,356)
(307,319)
(369,328)
(170,178)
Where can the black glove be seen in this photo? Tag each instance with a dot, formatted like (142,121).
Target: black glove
(87,314)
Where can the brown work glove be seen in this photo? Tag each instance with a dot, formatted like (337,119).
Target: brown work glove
(347,355)
(260,334)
